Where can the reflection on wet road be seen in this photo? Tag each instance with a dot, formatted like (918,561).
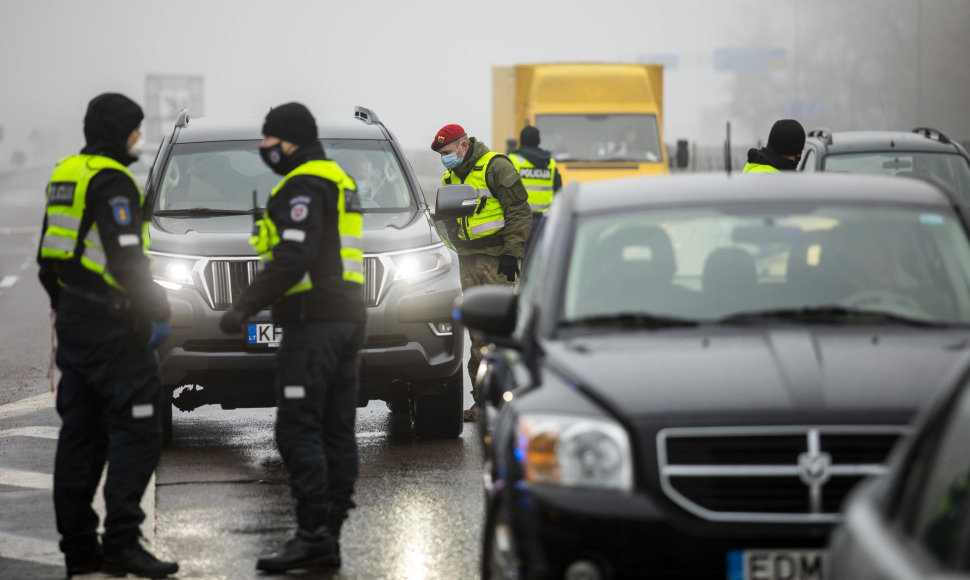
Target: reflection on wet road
(222,499)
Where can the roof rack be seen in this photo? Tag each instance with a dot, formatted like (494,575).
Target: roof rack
(366,115)
(823,134)
(183,118)
(931,133)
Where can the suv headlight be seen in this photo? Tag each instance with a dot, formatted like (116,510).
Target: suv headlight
(420,264)
(574,451)
(172,272)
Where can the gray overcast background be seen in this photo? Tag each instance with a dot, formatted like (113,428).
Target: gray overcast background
(420,64)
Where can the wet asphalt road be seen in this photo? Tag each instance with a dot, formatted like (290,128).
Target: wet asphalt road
(220,498)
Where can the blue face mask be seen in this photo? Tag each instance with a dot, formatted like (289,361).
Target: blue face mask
(451,160)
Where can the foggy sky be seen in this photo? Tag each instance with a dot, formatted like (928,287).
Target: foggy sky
(421,64)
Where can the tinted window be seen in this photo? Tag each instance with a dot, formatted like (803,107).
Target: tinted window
(706,263)
(951,169)
(600,137)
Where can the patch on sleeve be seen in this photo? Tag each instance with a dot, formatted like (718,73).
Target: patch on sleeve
(294,392)
(304,199)
(120,209)
(292,235)
(61,194)
(299,212)
(142,411)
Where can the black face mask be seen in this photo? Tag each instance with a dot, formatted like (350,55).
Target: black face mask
(273,157)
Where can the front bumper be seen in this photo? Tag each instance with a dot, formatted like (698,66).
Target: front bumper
(632,535)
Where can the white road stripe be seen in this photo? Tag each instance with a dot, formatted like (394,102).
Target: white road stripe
(26,405)
(30,479)
(40,432)
(30,549)
(8,281)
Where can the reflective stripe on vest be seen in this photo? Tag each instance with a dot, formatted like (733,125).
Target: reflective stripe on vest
(759,168)
(66,203)
(538,181)
(349,224)
(488,219)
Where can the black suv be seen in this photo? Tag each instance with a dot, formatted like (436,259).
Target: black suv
(924,152)
(204,190)
(696,370)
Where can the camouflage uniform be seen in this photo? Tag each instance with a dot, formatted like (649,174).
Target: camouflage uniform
(478,259)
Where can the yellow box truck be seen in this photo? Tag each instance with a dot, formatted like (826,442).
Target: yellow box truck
(599,120)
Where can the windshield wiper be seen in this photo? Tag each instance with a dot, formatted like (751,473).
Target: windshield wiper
(630,320)
(825,314)
(206,212)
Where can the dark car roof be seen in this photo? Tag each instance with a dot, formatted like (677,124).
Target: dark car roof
(713,188)
(863,141)
(205,129)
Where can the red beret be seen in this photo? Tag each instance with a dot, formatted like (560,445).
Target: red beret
(446,135)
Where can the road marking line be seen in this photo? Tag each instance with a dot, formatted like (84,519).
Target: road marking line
(30,549)
(26,405)
(30,479)
(40,432)
(8,281)
(19,230)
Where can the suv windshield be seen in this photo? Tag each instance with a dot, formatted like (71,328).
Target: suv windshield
(834,263)
(600,137)
(949,168)
(223,175)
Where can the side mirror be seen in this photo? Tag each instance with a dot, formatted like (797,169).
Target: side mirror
(455,201)
(489,309)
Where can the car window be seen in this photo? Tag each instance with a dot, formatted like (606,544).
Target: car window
(949,168)
(708,263)
(223,175)
(937,487)
(533,272)
(601,137)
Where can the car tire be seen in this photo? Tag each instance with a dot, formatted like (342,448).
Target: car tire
(438,415)
(167,405)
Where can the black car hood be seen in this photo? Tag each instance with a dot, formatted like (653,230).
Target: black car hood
(780,374)
(229,235)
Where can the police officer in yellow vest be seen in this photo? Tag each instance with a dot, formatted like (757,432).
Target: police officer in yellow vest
(539,175)
(110,317)
(784,149)
(490,242)
(309,239)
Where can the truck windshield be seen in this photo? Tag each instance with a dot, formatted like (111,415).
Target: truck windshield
(223,175)
(601,137)
(951,169)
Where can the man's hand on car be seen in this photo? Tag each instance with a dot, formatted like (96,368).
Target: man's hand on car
(232,321)
(508,265)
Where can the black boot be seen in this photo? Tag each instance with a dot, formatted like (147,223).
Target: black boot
(313,546)
(138,561)
(83,560)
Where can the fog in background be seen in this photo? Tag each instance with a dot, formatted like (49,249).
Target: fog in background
(843,64)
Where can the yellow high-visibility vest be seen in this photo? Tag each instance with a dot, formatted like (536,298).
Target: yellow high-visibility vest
(488,219)
(538,181)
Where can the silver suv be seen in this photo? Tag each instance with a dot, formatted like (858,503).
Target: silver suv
(204,191)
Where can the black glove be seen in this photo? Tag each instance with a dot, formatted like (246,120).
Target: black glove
(232,321)
(508,265)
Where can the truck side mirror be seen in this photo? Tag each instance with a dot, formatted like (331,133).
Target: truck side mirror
(455,201)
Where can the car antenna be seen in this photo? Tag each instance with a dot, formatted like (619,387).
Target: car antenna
(255,208)
(727,149)
(885,118)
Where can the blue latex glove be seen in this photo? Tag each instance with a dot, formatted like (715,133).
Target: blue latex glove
(160,332)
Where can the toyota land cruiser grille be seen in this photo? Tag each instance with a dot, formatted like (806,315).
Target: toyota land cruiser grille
(225,279)
(770,474)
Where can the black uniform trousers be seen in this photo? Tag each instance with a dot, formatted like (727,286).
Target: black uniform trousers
(108,399)
(317,382)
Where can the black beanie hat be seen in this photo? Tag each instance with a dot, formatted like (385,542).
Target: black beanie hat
(110,119)
(291,122)
(787,137)
(529,137)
